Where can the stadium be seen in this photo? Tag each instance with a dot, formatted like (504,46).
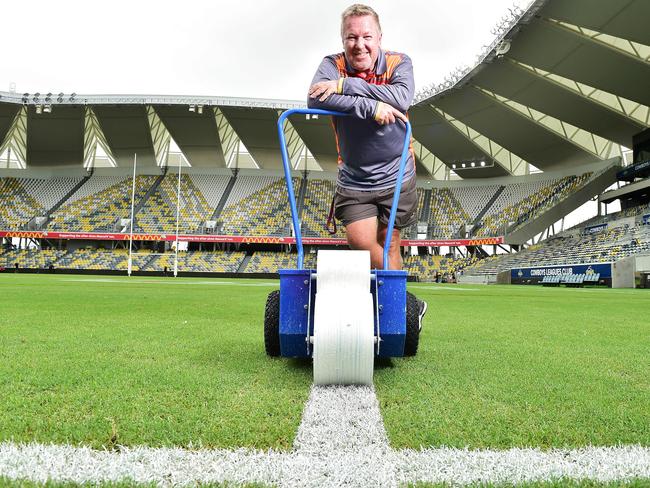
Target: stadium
(141,235)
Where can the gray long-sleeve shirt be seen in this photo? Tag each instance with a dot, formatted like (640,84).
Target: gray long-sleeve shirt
(369,152)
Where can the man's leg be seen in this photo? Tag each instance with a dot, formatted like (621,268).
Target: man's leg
(394,254)
(362,235)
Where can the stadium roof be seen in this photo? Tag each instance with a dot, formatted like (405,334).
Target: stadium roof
(564,83)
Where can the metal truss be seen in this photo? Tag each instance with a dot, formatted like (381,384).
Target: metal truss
(438,169)
(598,146)
(93,137)
(231,144)
(14,147)
(636,50)
(508,160)
(633,110)
(160,137)
(74,99)
(227,136)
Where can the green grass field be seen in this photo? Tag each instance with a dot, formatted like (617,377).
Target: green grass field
(100,361)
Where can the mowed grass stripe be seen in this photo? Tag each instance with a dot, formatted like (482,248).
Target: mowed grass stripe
(517,366)
(100,364)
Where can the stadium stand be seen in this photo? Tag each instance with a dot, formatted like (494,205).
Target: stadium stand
(99,204)
(159,212)
(271,262)
(30,258)
(520,201)
(436,268)
(318,199)
(198,262)
(447,214)
(575,247)
(22,205)
(257,206)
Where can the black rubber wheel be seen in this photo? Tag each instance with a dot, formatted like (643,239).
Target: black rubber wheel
(412,325)
(272,324)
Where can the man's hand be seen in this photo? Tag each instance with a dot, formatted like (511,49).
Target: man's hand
(323,89)
(387,114)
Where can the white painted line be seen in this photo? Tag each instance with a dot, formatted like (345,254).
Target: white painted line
(341,442)
(458,466)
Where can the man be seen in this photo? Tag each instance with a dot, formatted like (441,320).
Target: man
(375,87)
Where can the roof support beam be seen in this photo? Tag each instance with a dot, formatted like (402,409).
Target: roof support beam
(434,165)
(227,135)
(635,50)
(509,161)
(585,140)
(633,110)
(14,148)
(93,137)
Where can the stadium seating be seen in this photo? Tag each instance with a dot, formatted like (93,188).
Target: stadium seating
(198,262)
(271,262)
(22,205)
(430,267)
(29,258)
(447,214)
(523,201)
(318,199)
(99,204)
(257,206)
(159,212)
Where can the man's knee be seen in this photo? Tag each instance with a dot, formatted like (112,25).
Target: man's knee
(361,234)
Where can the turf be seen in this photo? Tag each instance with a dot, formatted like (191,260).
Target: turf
(559,483)
(517,366)
(164,362)
(142,362)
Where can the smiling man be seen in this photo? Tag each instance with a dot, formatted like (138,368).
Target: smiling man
(375,87)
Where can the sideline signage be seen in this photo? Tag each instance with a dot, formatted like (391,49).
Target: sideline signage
(605,270)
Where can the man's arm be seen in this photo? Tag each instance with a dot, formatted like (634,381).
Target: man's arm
(398,92)
(357,106)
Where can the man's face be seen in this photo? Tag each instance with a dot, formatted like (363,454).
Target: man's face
(361,42)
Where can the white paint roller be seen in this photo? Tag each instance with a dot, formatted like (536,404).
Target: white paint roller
(343,319)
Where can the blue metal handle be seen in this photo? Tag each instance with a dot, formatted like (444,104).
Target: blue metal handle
(292,197)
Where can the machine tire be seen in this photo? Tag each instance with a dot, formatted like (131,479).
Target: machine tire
(412,339)
(272,324)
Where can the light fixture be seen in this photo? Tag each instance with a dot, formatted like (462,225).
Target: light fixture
(72,97)
(472,164)
(47,108)
(199,109)
(453,166)
(36,97)
(48,97)
(192,108)
(39,109)
(463,165)
(482,164)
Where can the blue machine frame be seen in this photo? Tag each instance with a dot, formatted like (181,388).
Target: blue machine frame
(298,286)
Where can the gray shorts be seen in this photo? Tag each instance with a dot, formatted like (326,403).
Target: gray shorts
(353,205)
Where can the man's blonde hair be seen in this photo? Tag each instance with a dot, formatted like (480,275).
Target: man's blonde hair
(358,10)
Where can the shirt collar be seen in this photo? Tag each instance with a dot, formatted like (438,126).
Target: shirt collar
(380,65)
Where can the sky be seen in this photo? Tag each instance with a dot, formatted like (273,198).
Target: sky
(257,49)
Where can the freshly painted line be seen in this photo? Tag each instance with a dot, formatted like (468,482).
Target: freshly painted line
(340,442)
(462,466)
